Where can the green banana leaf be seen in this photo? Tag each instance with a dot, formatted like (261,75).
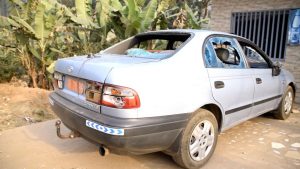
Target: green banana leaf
(102,10)
(132,10)
(164,5)
(83,11)
(24,24)
(34,52)
(193,22)
(41,30)
(51,67)
(19,3)
(6,22)
(140,3)
(115,5)
(148,14)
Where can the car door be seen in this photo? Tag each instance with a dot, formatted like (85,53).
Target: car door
(268,88)
(231,83)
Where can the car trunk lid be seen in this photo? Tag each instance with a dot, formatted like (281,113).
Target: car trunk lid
(80,71)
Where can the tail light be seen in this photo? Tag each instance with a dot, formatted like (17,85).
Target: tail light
(119,97)
(58,80)
(107,95)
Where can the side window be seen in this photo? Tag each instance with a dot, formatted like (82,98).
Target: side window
(254,59)
(210,57)
(222,52)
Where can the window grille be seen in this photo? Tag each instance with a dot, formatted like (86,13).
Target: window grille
(267,29)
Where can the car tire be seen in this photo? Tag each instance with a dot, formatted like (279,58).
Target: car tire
(286,104)
(198,140)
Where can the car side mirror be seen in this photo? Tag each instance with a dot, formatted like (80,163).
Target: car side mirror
(276,69)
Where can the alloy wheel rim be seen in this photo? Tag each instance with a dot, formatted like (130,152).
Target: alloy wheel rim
(288,101)
(201,140)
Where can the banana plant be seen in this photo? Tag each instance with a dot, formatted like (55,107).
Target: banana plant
(138,16)
(133,17)
(33,25)
(44,30)
(161,21)
(34,34)
(192,21)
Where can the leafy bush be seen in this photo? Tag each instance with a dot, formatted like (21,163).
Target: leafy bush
(38,32)
(10,66)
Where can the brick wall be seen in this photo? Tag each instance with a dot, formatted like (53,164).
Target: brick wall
(221,17)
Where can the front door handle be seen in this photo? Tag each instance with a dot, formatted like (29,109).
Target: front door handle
(219,84)
(258,81)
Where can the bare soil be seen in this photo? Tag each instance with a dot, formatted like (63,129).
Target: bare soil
(260,143)
(21,106)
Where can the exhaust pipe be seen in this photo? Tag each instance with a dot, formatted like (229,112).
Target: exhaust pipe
(103,151)
(72,134)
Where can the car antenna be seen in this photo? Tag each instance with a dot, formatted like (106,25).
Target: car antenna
(90,55)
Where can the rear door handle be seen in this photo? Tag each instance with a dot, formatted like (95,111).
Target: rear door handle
(219,84)
(258,81)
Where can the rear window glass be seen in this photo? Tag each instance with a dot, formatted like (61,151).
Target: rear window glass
(152,46)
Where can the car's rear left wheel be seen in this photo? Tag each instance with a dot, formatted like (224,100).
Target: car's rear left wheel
(198,140)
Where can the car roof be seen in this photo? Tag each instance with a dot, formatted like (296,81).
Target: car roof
(197,32)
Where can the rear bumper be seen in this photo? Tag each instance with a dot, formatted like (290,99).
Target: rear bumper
(141,135)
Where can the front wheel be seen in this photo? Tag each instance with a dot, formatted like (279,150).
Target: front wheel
(198,140)
(285,106)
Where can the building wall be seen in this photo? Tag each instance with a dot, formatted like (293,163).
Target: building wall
(3,8)
(221,17)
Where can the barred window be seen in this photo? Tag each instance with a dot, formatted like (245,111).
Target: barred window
(267,29)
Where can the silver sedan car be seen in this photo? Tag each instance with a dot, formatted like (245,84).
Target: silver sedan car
(172,91)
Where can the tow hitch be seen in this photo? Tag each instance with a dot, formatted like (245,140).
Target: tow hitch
(72,134)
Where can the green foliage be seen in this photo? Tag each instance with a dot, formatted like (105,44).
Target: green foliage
(84,13)
(148,15)
(9,63)
(38,32)
(10,66)
(192,21)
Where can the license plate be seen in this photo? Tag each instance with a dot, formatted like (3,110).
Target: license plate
(75,85)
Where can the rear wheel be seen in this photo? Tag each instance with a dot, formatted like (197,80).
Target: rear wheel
(285,106)
(198,140)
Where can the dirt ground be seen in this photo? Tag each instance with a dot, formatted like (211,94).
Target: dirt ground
(261,143)
(21,106)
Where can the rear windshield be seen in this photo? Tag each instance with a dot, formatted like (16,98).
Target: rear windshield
(150,45)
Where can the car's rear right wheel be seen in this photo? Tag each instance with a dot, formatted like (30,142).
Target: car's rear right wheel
(285,106)
(198,140)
